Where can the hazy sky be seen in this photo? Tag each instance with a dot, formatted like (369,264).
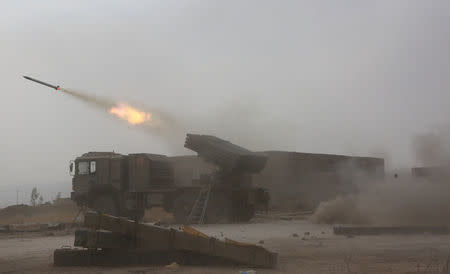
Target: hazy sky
(348,77)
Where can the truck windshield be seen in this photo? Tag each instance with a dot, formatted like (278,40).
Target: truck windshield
(83,168)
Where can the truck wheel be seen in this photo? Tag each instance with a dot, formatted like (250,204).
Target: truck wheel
(105,203)
(218,215)
(182,206)
(218,210)
(246,214)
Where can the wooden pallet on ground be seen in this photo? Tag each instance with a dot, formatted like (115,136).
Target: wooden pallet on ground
(114,240)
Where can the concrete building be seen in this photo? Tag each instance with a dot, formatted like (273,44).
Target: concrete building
(302,180)
(432,173)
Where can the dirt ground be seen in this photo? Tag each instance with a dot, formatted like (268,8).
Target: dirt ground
(62,213)
(47,213)
(314,250)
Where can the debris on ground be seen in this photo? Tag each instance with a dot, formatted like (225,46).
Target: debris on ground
(35,227)
(378,230)
(285,216)
(248,272)
(173,265)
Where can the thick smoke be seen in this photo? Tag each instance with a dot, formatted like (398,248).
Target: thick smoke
(433,148)
(162,124)
(393,202)
(405,200)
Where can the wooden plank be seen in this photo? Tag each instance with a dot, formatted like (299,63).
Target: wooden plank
(109,257)
(27,227)
(149,236)
(155,238)
(101,239)
(193,231)
(116,257)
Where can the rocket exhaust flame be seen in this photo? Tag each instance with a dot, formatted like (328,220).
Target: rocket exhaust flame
(130,114)
(123,111)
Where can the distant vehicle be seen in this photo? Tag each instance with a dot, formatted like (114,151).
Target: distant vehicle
(125,185)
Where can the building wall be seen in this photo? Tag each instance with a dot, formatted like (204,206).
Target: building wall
(432,173)
(303,180)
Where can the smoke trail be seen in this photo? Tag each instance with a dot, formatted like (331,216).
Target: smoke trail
(99,102)
(161,124)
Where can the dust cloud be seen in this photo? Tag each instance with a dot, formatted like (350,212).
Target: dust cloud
(399,202)
(405,200)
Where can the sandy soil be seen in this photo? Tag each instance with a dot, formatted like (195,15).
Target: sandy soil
(318,252)
(22,214)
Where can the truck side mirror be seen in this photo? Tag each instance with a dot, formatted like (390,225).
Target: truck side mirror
(72,168)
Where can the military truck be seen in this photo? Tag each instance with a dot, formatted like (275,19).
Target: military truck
(126,185)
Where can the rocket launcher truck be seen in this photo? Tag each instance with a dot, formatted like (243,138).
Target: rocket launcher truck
(125,185)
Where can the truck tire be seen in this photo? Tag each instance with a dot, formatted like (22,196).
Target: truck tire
(245,214)
(218,210)
(182,206)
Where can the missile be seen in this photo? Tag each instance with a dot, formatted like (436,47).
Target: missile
(42,83)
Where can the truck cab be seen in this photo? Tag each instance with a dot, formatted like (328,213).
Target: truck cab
(121,185)
(98,179)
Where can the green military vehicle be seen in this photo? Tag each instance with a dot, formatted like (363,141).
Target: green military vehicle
(126,185)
